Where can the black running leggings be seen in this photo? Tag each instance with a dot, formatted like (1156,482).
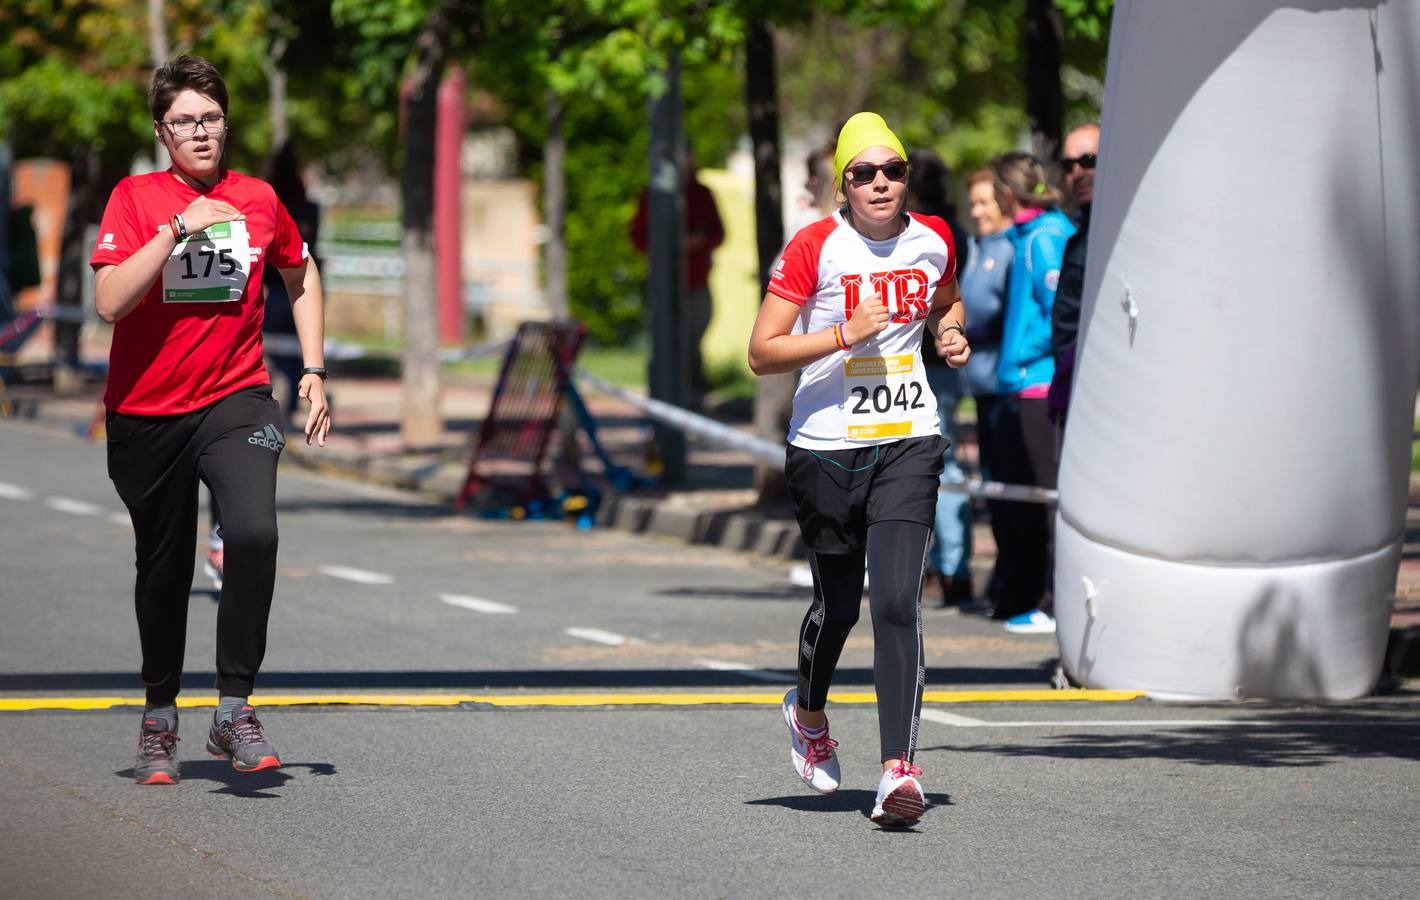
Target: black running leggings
(155,463)
(894,559)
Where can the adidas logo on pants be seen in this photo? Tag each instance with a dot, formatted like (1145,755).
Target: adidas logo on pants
(268,437)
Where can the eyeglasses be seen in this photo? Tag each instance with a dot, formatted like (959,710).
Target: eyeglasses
(185,128)
(1085,161)
(867,173)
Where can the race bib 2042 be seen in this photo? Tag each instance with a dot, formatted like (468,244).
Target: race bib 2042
(886,397)
(209,267)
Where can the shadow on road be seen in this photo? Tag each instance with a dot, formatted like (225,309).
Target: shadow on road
(251,785)
(786,592)
(1298,739)
(938,678)
(842,801)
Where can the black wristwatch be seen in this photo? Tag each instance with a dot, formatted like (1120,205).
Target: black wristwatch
(316,370)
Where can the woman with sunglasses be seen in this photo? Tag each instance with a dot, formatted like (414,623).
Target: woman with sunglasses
(864,455)
(1024,449)
(178,271)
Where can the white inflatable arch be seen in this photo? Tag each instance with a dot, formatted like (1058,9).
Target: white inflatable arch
(1235,470)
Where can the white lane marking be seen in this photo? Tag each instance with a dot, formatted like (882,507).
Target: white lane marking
(939,716)
(742,669)
(121,519)
(477,604)
(598,636)
(73,507)
(14,492)
(946,718)
(360,576)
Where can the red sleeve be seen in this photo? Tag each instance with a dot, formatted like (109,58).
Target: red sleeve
(120,234)
(940,227)
(287,250)
(795,276)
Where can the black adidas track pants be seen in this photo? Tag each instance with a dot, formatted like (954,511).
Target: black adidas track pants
(155,462)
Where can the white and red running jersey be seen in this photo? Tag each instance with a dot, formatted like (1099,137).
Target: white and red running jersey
(877,391)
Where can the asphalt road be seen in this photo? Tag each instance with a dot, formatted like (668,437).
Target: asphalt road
(380,592)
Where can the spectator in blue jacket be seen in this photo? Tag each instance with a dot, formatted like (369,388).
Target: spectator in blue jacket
(984,280)
(1026,451)
(949,557)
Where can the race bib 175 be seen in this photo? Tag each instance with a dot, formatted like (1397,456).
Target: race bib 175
(209,267)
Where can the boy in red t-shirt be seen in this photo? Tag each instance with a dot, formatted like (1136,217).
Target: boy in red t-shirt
(178,271)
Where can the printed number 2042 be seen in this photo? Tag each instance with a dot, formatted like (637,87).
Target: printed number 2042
(882,398)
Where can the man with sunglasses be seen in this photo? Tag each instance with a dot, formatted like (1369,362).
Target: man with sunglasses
(1081,152)
(178,270)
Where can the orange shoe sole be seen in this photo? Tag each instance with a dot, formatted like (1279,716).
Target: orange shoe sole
(159,778)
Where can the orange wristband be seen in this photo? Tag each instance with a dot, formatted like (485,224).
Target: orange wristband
(838,336)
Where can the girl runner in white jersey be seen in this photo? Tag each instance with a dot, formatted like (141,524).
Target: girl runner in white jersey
(864,454)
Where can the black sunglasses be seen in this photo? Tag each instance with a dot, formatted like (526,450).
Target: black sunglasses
(1086,161)
(867,173)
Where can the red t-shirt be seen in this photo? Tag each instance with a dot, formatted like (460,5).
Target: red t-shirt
(177,356)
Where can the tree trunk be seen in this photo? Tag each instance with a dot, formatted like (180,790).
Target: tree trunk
(276,89)
(774,394)
(420,423)
(157,56)
(554,201)
(1045,102)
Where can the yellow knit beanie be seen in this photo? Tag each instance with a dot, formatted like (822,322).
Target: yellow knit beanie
(863,130)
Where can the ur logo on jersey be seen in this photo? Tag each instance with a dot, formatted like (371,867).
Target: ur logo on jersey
(908,288)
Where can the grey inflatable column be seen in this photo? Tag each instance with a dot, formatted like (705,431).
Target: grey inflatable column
(1233,484)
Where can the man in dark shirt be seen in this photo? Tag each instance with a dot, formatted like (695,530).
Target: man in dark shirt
(703,233)
(1080,154)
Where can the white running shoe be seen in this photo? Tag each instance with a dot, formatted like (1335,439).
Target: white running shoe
(803,576)
(900,802)
(813,758)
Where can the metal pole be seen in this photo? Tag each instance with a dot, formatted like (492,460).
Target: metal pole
(669,367)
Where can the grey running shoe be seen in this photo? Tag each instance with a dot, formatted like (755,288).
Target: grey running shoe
(241,740)
(157,752)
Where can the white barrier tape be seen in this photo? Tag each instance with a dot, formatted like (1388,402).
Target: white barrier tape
(59,313)
(487,348)
(999,490)
(290,345)
(702,427)
(771,454)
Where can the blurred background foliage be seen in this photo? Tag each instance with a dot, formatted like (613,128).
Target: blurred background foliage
(948,74)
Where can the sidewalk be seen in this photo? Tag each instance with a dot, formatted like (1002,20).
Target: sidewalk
(714,506)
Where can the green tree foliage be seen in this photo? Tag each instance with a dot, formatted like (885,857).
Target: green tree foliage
(954,81)
(604,60)
(70,73)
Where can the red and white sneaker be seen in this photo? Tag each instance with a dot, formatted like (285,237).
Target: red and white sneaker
(900,802)
(812,757)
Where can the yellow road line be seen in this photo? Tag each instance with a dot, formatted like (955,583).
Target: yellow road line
(29,704)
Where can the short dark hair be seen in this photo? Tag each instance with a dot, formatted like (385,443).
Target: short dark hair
(185,73)
(927,177)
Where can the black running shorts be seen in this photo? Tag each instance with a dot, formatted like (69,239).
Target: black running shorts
(837,494)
